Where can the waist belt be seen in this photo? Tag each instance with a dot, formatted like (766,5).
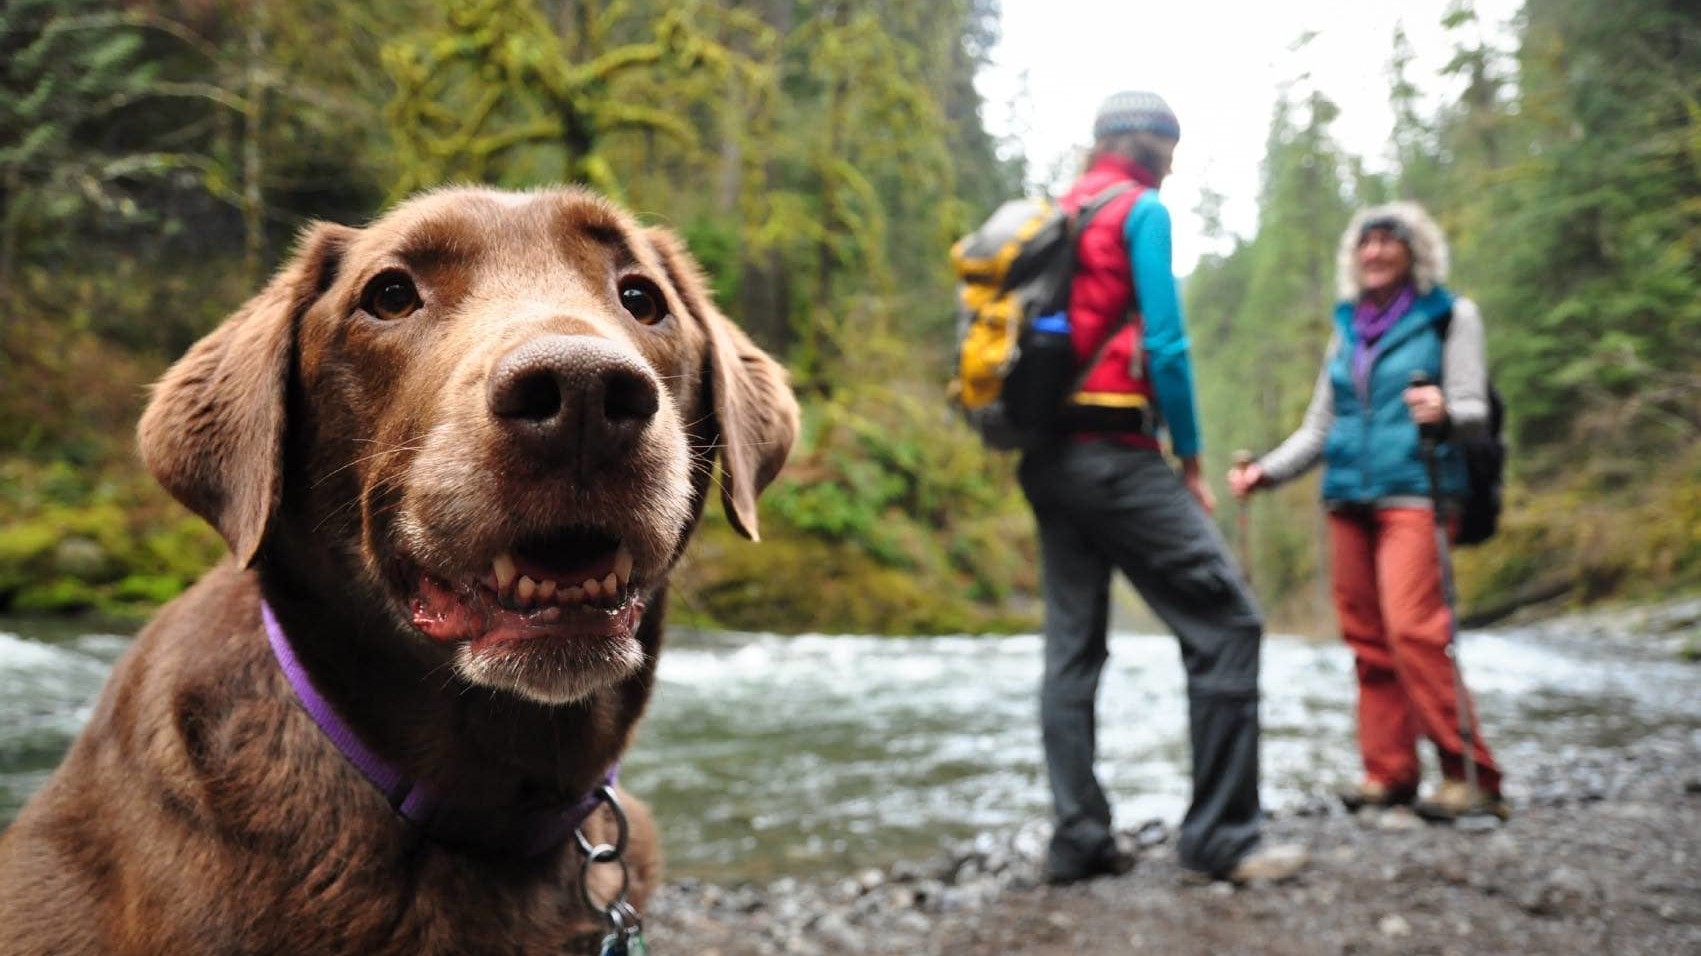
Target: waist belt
(1107,412)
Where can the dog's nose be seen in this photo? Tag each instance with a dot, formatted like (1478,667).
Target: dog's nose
(564,396)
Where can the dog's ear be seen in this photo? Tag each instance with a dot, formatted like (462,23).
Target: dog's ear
(213,432)
(758,418)
(749,393)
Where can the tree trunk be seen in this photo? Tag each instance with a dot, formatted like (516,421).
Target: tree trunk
(764,289)
(764,300)
(9,196)
(253,199)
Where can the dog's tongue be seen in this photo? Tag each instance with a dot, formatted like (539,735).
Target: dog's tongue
(444,615)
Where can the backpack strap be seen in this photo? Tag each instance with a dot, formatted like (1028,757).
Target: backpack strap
(1078,225)
(1098,353)
(1087,210)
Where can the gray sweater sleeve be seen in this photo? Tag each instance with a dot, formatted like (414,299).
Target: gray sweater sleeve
(1464,369)
(1304,448)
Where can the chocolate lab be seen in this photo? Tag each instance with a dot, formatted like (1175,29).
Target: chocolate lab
(455,455)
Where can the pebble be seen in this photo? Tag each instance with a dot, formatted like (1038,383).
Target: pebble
(1399,818)
(1150,834)
(1394,926)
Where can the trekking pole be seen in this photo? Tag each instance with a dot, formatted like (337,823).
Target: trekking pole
(1428,437)
(1243,521)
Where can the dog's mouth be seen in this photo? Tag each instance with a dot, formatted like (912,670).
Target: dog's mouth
(574,583)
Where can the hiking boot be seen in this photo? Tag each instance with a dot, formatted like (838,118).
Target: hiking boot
(1114,863)
(1377,795)
(1268,864)
(1456,799)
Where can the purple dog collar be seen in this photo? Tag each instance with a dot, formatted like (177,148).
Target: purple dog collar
(526,834)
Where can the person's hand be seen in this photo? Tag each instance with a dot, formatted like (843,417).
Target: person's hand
(1245,478)
(1426,404)
(1194,480)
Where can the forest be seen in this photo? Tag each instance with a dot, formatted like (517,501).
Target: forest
(157,161)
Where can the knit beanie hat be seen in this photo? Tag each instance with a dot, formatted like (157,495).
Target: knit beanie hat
(1134,110)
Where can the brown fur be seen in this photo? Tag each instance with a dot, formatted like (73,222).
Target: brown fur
(201,810)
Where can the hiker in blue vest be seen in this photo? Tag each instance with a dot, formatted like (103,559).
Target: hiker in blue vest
(1104,498)
(1395,318)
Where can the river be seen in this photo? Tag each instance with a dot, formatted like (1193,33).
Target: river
(766,756)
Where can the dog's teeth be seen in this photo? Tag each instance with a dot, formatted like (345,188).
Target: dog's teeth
(546,590)
(549,615)
(623,564)
(593,590)
(525,589)
(611,585)
(503,567)
(573,595)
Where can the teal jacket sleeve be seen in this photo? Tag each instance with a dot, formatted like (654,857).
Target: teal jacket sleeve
(1147,230)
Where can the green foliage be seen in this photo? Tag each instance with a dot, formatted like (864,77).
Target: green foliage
(819,155)
(1588,240)
(62,67)
(1259,318)
(725,581)
(883,467)
(758,130)
(1591,540)
(76,539)
(476,98)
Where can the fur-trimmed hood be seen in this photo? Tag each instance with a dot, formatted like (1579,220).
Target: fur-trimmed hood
(1430,257)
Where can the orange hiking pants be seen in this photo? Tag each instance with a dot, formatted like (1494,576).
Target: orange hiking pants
(1394,616)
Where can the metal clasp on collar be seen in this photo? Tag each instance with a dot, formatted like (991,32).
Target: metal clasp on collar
(626,930)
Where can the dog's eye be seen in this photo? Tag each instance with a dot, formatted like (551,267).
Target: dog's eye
(390,296)
(640,297)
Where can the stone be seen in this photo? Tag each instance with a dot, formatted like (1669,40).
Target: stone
(1399,818)
(1394,926)
(81,558)
(1151,834)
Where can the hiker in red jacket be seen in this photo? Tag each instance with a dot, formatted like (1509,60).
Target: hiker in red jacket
(1104,498)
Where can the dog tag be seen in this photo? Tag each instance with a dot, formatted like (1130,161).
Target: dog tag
(627,943)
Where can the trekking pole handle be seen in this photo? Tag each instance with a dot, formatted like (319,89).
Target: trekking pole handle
(1243,459)
(1430,433)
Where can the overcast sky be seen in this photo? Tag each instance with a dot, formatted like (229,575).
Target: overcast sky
(1219,64)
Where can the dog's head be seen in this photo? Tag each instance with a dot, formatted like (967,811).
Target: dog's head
(494,415)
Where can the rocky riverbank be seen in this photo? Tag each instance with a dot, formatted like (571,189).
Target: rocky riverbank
(1603,855)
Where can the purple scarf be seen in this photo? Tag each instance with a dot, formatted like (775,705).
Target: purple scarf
(1370,323)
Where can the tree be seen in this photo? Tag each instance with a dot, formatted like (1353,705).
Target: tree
(1260,317)
(497,79)
(1596,230)
(63,68)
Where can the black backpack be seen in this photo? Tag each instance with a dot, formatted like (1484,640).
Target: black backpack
(1485,464)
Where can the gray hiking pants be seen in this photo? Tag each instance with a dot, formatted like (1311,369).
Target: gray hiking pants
(1103,505)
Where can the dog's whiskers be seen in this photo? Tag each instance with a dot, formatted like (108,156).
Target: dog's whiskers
(409,445)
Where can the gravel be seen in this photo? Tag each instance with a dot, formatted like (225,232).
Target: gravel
(1603,855)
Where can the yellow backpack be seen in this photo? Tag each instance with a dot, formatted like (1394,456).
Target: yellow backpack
(1015,363)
